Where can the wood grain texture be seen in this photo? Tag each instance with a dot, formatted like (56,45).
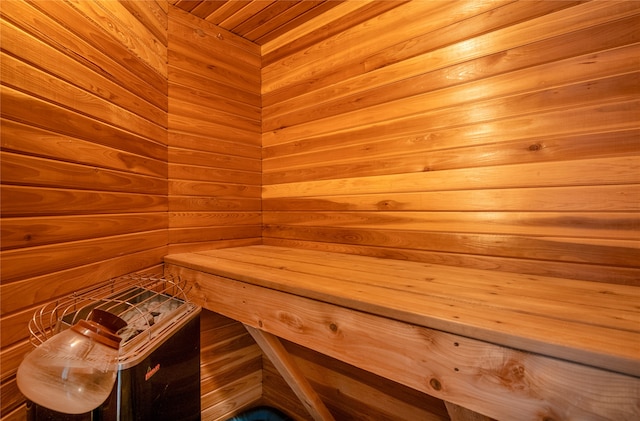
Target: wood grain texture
(295,378)
(541,315)
(214,167)
(466,102)
(84,158)
(231,367)
(356,394)
(498,382)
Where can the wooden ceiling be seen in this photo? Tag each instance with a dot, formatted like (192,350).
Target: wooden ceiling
(259,21)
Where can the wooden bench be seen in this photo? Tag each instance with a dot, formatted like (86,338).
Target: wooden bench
(509,346)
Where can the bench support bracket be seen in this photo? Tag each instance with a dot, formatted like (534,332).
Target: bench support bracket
(275,351)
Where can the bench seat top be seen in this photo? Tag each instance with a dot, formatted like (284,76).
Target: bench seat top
(586,322)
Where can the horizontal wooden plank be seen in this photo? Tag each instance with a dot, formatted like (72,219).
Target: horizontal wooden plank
(121,27)
(622,198)
(392,156)
(394,274)
(205,189)
(50,23)
(227,359)
(321,61)
(587,172)
(614,226)
(210,174)
(479,128)
(24,170)
(207,219)
(215,50)
(12,357)
(201,64)
(213,233)
(183,123)
(28,140)
(181,80)
(380,86)
(212,144)
(26,78)
(235,364)
(29,262)
(214,160)
(198,111)
(560,269)
(213,203)
(219,404)
(212,245)
(30,110)
(28,293)
(609,171)
(152,15)
(503,15)
(213,96)
(471,286)
(555,124)
(355,337)
(13,401)
(76,72)
(323,57)
(623,253)
(19,201)
(35,231)
(250,51)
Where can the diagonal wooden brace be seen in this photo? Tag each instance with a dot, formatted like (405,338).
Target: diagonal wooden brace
(273,348)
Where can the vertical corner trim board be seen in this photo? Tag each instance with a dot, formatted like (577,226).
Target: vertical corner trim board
(275,351)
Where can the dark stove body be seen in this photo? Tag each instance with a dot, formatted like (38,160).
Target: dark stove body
(163,386)
(159,367)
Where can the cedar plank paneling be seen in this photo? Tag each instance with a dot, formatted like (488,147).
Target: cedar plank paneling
(229,356)
(214,135)
(348,15)
(84,157)
(214,179)
(152,14)
(37,231)
(30,110)
(356,393)
(496,134)
(610,226)
(89,45)
(32,141)
(18,169)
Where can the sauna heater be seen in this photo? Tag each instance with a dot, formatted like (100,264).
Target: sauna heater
(158,375)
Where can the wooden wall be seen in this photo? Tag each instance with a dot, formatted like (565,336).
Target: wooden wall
(497,135)
(214,176)
(84,155)
(349,392)
(214,136)
(500,135)
(231,367)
